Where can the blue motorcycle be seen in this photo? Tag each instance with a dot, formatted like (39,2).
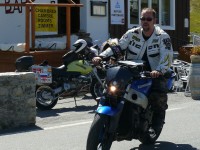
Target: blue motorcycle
(124,112)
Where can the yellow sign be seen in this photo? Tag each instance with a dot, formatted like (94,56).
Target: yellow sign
(46,19)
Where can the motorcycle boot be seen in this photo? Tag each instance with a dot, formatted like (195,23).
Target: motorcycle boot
(158,120)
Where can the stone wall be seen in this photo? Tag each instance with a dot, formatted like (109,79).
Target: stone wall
(17,99)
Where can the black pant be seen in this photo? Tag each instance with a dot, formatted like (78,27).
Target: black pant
(158,100)
(158,96)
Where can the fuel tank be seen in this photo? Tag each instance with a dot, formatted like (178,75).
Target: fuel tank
(79,66)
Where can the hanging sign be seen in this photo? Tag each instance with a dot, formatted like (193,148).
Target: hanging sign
(46,19)
(117,12)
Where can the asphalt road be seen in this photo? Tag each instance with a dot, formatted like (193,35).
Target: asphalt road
(65,127)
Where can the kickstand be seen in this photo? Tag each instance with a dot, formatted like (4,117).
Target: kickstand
(75,101)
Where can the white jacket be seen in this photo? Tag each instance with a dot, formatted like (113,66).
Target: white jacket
(159,48)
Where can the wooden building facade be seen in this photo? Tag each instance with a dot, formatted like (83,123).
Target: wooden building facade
(76,15)
(9,54)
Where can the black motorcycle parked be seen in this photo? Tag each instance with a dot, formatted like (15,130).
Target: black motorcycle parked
(76,77)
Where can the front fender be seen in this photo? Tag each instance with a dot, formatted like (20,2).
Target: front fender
(107,110)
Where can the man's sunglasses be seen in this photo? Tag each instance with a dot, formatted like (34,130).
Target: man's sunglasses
(147,19)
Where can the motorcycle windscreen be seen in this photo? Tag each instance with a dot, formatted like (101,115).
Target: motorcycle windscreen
(121,75)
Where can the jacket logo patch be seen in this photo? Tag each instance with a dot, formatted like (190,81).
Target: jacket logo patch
(167,43)
(132,43)
(153,46)
(125,36)
(136,38)
(155,41)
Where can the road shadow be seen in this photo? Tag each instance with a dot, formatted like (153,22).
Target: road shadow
(72,108)
(162,145)
(51,113)
(56,112)
(22,129)
(86,96)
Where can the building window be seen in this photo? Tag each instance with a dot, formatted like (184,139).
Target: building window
(98,8)
(165,12)
(133,12)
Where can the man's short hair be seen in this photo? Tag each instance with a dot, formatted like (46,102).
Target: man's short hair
(150,10)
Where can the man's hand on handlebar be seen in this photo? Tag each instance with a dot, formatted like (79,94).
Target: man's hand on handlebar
(155,74)
(96,60)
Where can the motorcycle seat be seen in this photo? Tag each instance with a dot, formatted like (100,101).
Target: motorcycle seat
(62,72)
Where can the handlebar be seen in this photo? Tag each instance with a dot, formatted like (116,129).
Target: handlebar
(146,74)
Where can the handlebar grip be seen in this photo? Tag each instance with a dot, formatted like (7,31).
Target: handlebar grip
(146,73)
(168,74)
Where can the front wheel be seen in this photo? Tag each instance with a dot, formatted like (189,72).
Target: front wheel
(45,98)
(98,136)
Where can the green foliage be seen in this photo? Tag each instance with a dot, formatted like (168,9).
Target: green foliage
(194,16)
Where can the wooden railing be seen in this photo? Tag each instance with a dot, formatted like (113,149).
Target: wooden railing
(30,11)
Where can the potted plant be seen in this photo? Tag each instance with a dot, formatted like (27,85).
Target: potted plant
(194,73)
(195,54)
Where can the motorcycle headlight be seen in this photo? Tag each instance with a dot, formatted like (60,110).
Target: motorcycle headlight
(113,88)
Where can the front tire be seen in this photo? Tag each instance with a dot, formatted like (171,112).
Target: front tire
(98,136)
(45,98)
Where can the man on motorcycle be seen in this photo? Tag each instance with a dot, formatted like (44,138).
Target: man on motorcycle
(152,45)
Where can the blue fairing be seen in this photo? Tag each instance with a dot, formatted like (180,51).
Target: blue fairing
(142,86)
(107,110)
(170,81)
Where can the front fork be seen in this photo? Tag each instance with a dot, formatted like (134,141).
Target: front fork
(114,113)
(94,71)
